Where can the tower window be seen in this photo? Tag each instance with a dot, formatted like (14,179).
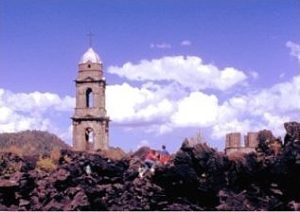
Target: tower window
(89,138)
(89,98)
(89,65)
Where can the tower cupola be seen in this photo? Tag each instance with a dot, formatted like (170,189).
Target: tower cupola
(90,56)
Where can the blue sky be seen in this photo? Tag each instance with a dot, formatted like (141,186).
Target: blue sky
(214,66)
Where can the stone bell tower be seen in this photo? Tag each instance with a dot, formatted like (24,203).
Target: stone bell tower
(90,122)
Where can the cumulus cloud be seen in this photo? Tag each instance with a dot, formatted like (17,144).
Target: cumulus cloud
(282,97)
(186,43)
(161,113)
(294,49)
(27,102)
(154,106)
(219,130)
(268,108)
(23,111)
(127,104)
(160,46)
(159,108)
(190,72)
(197,110)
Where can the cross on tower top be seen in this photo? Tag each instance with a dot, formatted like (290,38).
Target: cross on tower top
(90,35)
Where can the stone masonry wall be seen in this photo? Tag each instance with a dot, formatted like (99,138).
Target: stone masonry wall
(233,143)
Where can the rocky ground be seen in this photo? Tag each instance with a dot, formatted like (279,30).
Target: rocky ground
(198,178)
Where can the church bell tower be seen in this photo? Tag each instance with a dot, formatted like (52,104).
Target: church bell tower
(90,122)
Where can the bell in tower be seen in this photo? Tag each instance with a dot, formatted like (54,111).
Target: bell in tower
(90,122)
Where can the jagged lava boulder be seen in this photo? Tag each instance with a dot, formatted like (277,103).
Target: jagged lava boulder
(197,178)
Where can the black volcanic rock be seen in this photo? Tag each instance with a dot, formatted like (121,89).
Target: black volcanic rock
(198,178)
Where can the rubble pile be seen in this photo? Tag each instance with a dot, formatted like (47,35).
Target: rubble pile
(197,178)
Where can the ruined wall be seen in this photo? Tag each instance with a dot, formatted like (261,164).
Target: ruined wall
(233,143)
(251,139)
(100,137)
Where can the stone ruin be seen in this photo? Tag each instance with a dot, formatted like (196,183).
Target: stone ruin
(90,120)
(233,143)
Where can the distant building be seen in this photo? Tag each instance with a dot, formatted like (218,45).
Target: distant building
(90,122)
(233,143)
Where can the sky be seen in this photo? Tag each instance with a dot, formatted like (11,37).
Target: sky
(173,67)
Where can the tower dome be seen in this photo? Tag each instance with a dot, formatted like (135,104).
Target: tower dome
(90,56)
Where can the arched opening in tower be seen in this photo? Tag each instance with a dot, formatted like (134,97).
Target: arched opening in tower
(89,98)
(89,138)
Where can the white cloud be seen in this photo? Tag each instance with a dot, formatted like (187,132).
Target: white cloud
(186,43)
(17,122)
(25,111)
(295,49)
(268,108)
(154,105)
(5,113)
(190,72)
(275,122)
(197,110)
(127,104)
(232,125)
(160,46)
(26,102)
(282,97)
